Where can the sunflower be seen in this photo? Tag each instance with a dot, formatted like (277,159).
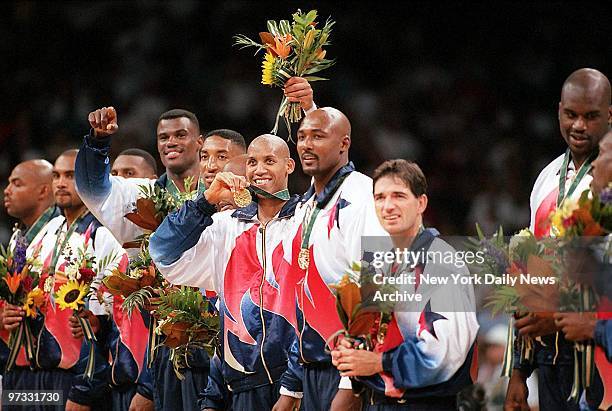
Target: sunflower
(71,295)
(34,300)
(267,73)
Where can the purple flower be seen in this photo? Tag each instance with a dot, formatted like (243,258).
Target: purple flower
(494,257)
(606,195)
(19,253)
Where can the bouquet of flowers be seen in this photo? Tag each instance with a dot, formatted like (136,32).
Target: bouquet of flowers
(186,319)
(518,256)
(363,321)
(576,224)
(20,286)
(80,272)
(291,49)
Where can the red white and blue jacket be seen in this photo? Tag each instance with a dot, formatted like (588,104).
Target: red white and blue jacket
(244,261)
(429,349)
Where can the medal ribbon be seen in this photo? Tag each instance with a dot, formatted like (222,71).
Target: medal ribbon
(59,249)
(584,169)
(39,224)
(279,195)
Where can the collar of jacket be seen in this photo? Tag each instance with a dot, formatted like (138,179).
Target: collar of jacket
(249,212)
(329,189)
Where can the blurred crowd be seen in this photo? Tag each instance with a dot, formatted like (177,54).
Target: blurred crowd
(469,93)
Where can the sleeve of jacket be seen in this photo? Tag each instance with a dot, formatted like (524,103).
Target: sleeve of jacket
(292,378)
(144,385)
(525,366)
(603,337)
(215,395)
(83,390)
(183,246)
(108,253)
(445,332)
(108,198)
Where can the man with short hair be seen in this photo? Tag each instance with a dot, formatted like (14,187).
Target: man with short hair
(110,198)
(335,212)
(29,197)
(422,367)
(219,147)
(584,115)
(60,357)
(241,255)
(134,163)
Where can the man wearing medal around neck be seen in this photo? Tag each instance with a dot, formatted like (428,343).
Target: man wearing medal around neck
(584,117)
(110,198)
(240,254)
(59,355)
(335,212)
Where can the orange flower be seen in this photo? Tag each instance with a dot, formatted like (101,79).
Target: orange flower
(277,45)
(13,282)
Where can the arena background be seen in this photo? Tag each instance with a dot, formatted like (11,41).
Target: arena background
(469,92)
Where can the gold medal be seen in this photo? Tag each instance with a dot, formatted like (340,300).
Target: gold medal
(304,258)
(242,198)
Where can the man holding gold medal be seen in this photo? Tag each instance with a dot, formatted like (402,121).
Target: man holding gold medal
(240,254)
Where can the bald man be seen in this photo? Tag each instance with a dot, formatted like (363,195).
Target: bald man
(29,196)
(584,115)
(240,254)
(333,215)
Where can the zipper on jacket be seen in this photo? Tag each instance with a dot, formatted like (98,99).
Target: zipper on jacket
(261,302)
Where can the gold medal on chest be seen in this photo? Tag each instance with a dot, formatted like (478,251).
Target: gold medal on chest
(304,258)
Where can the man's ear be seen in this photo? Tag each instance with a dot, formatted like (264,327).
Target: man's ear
(422,206)
(290,165)
(345,144)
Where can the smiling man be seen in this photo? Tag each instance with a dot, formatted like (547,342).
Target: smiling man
(220,146)
(239,254)
(425,359)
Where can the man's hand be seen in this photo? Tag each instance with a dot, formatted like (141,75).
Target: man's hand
(355,363)
(141,403)
(516,396)
(298,90)
(73,406)
(12,316)
(224,186)
(75,325)
(345,400)
(577,326)
(534,326)
(103,121)
(287,403)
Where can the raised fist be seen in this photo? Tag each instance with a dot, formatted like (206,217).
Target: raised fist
(103,121)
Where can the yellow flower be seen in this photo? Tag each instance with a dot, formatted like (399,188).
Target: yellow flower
(71,295)
(34,300)
(309,38)
(567,207)
(556,222)
(267,66)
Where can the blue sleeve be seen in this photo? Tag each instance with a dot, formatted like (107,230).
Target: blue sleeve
(603,337)
(525,366)
(216,395)
(83,390)
(292,378)
(144,385)
(92,168)
(180,231)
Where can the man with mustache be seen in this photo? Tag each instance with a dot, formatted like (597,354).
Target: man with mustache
(240,254)
(60,357)
(584,117)
(28,197)
(335,212)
